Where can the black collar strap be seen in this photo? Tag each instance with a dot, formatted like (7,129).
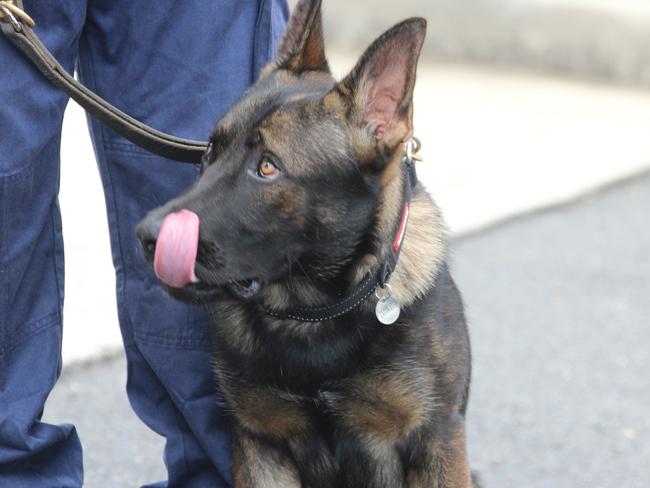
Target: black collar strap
(372,281)
(16,26)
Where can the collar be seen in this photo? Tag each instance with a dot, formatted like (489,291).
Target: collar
(372,283)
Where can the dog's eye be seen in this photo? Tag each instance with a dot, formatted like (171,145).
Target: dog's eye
(267,170)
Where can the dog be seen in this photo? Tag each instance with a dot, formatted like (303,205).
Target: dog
(340,343)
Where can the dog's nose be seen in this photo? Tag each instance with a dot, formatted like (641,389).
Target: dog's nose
(147,231)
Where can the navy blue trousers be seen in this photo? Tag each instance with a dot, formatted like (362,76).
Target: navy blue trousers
(177,66)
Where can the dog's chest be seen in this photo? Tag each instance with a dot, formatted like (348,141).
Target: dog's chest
(379,406)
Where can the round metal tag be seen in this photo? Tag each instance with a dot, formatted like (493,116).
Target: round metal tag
(387,310)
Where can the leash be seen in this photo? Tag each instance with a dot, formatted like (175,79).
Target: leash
(388,308)
(17,26)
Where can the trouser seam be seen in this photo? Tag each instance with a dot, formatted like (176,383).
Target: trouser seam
(109,191)
(28,331)
(127,148)
(192,343)
(120,277)
(48,479)
(57,252)
(4,292)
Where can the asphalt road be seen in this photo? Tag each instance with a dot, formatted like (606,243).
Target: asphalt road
(559,310)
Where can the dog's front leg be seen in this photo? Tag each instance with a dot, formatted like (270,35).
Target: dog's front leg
(441,458)
(316,464)
(299,462)
(259,463)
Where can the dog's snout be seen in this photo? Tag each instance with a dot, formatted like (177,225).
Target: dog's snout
(147,231)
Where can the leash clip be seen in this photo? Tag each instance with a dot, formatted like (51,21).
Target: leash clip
(16,16)
(413,146)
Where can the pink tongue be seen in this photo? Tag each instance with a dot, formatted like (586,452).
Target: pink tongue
(176,248)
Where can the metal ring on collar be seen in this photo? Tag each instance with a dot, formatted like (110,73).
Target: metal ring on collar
(388,292)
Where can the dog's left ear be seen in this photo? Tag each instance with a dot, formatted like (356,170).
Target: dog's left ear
(380,87)
(302,47)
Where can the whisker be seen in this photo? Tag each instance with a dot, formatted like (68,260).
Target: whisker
(305,273)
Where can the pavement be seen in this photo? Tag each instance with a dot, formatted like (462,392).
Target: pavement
(557,302)
(559,310)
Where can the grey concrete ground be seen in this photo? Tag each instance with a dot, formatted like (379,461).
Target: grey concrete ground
(559,309)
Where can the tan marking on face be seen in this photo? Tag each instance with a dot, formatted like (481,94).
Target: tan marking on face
(288,200)
(302,137)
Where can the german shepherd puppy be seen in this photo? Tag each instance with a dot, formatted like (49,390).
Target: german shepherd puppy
(301,201)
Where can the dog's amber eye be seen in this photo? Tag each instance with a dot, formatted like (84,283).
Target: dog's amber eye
(266,169)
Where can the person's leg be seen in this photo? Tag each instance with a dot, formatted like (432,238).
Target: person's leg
(176,66)
(32,453)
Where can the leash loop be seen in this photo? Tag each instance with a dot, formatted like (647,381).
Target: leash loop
(7,15)
(16,25)
(15,14)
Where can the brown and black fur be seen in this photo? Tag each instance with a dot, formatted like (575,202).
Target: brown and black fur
(345,402)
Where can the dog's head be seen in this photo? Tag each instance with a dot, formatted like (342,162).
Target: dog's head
(294,172)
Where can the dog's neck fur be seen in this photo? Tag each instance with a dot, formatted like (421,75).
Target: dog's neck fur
(423,250)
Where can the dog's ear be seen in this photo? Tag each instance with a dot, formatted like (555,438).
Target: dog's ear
(302,47)
(379,90)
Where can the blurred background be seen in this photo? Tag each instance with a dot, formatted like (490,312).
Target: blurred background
(535,121)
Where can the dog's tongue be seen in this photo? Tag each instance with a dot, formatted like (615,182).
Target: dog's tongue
(176,249)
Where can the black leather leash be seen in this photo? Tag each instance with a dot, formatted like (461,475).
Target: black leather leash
(16,25)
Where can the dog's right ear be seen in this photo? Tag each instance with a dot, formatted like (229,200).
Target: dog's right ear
(302,47)
(379,90)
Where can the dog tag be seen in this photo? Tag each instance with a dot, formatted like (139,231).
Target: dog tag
(387,310)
